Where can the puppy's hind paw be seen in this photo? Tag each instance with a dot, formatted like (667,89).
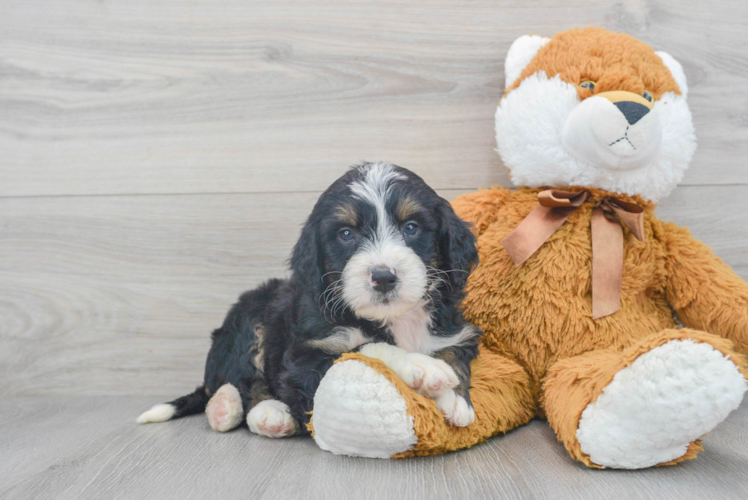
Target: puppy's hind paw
(455,409)
(271,418)
(224,409)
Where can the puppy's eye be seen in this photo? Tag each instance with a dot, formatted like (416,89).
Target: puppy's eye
(410,229)
(588,84)
(346,235)
(647,95)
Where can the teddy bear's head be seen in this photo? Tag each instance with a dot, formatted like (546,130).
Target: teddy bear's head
(593,108)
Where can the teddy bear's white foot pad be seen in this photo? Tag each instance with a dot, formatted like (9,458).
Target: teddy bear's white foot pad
(225,409)
(667,398)
(358,412)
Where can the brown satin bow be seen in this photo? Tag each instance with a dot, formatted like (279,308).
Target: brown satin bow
(607,239)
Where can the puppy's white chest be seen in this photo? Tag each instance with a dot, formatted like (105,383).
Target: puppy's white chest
(411,331)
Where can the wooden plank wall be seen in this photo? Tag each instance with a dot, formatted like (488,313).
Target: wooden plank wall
(157,157)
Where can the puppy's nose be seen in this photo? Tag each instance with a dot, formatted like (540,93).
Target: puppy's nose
(633,111)
(383,279)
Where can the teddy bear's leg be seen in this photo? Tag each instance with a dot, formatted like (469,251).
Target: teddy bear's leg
(362,408)
(646,405)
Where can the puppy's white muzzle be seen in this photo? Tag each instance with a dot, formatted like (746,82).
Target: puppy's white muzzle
(361,292)
(617,132)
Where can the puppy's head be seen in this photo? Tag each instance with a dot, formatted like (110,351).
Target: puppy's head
(380,242)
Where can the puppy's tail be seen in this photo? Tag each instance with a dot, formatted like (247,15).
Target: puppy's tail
(181,407)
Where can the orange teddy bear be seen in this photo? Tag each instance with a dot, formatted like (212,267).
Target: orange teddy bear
(578,281)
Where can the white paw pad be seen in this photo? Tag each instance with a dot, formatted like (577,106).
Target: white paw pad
(224,409)
(455,409)
(667,398)
(271,418)
(429,376)
(159,413)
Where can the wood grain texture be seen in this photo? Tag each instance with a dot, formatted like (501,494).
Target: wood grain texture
(107,295)
(90,448)
(210,96)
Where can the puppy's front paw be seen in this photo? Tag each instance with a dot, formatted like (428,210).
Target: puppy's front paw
(455,409)
(429,376)
(271,418)
(224,409)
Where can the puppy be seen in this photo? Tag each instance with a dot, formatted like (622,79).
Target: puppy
(380,267)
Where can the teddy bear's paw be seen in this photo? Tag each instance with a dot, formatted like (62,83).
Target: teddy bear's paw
(272,418)
(224,409)
(455,409)
(358,412)
(429,376)
(667,398)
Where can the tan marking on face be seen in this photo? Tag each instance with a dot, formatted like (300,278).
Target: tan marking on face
(346,214)
(614,61)
(406,207)
(615,96)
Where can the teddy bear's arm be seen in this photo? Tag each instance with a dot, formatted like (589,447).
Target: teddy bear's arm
(481,207)
(704,291)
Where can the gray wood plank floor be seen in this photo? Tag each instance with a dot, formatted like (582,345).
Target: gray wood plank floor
(157,158)
(62,448)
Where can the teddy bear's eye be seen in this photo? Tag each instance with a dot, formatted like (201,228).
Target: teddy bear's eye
(588,84)
(647,95)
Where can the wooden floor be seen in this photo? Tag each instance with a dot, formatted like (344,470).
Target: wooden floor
(60,448)
(158,157)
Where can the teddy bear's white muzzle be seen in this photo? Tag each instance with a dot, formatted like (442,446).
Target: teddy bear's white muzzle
(614,136)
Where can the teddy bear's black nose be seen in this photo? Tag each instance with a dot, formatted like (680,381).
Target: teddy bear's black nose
(633,111)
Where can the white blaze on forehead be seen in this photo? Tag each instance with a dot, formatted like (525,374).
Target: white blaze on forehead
(375,190)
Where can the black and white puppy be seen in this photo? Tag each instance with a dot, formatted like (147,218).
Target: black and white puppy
(380,267)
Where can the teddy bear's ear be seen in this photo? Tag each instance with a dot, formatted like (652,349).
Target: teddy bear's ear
(520,54)
(676,70)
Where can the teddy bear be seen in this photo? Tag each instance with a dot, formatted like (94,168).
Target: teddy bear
(622,331)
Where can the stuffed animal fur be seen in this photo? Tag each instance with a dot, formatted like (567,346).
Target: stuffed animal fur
(601,113)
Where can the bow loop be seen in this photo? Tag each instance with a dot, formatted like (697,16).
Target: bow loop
(630,215)
(608,211)
(557,198)
(555,206)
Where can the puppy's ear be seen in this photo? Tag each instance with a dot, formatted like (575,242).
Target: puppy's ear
(305,263)
(457,244)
